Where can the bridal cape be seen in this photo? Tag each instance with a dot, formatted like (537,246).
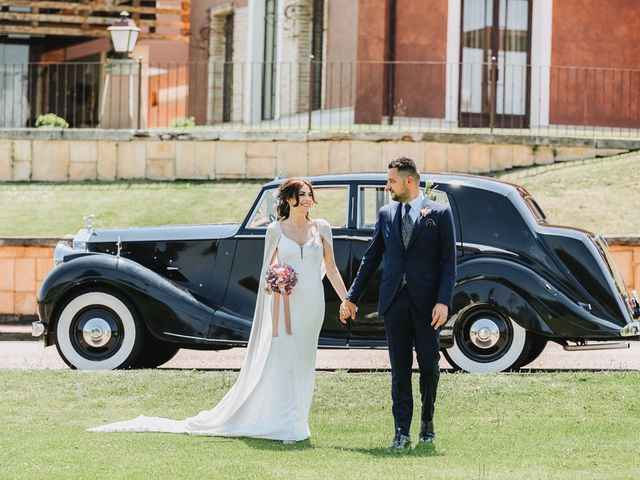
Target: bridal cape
(272,395)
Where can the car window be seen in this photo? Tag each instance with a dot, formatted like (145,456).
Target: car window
(331,206)
(372,198)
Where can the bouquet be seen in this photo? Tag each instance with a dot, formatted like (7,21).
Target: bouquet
(280,280)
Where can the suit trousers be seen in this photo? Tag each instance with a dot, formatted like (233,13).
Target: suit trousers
(407,328)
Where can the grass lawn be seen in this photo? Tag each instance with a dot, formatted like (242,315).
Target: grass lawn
(602,196)
(504,426)
(56,209)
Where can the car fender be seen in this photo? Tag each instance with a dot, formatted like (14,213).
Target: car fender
(531,300)
(163,306)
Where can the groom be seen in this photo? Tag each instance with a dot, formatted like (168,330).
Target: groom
(414,238)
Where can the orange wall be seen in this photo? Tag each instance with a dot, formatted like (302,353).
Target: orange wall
(602,39)
(421,36)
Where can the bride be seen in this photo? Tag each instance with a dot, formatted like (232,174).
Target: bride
(272,395)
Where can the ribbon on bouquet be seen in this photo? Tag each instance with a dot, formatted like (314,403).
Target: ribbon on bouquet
(276,312)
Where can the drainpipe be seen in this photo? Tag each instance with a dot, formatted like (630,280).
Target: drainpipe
(391,57)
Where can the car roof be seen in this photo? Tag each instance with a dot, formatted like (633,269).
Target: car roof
(473,181)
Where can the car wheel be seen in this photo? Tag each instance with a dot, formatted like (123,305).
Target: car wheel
(98,331)
(535,346)
(486,340)
(155,353)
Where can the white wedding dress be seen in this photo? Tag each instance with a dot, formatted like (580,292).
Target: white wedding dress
(272,395)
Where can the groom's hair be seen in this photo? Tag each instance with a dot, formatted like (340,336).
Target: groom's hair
(406,167)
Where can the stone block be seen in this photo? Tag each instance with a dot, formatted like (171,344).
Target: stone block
(262,149)
(83,171)
(479,158)
(339,157)
(543,155)
(161,169)
(131,161)
(563,154)
(624,261)
(230,160)
(413,150)
(21,171)
(83,152)
(7,273)
(43,267)
(522,155)
(6,153)
(458,158)
(7,303)
(107,160)
(6,168)
(609,152)
(367,157)
(12,252)
(501,157)
(292,159)
(25,303)
(435,157)
(25,275)
(22,150)
(50,160)
(318,158)
(261,167)
(195,160)
(161,150)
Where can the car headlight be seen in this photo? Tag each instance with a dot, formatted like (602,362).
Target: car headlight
(62,250)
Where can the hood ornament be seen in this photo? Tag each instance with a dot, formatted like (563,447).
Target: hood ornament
(88,222)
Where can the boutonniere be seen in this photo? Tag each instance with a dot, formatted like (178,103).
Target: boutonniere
(425,212)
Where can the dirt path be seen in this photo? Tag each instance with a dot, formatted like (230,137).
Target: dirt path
(32,355)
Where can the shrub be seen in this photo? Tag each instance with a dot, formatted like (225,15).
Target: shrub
(51,120)
(183,122)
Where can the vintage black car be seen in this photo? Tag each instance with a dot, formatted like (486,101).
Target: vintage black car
(132,297)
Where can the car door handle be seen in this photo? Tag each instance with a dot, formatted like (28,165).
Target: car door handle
(173,269)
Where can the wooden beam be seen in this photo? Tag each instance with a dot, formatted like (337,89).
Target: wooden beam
(49,18)
(96,7)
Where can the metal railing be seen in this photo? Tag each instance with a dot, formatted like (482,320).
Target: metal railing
(345,97)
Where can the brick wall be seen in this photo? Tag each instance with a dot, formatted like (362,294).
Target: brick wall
(22,270)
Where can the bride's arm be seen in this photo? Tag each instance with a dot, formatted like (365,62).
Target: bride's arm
(332,271)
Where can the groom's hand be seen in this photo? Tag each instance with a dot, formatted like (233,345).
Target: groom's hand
(439,315)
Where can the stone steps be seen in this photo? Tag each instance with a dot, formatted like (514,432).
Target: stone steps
(15,333)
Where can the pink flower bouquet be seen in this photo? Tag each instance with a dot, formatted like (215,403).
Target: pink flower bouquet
(280,278)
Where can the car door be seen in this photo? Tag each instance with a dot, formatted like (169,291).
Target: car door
(249,250)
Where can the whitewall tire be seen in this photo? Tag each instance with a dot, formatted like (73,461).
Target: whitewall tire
(486,340)
(98,331)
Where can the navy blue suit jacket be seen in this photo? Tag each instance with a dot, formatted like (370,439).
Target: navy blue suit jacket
(429,262)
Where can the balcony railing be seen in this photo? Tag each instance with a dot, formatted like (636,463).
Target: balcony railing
(362,96)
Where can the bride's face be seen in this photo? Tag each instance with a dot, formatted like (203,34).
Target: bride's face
(306,201)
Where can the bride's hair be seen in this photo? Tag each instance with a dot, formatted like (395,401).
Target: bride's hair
(291,189)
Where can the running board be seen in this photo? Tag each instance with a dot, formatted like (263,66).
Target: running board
(597,346)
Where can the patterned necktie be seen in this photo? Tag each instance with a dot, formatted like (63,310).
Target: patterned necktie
(407,225)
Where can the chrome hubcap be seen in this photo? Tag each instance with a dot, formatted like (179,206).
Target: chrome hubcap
(96,332)
(484,333)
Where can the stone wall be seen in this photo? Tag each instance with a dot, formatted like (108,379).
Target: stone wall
(67,155)
(24,263)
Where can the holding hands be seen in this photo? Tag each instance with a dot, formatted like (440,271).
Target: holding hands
(347,310)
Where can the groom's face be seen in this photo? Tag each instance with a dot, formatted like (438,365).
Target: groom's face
(397,185)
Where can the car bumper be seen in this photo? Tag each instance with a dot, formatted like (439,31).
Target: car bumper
(631,329)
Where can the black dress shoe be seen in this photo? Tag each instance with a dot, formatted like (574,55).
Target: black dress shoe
(427,432)
(400,441)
